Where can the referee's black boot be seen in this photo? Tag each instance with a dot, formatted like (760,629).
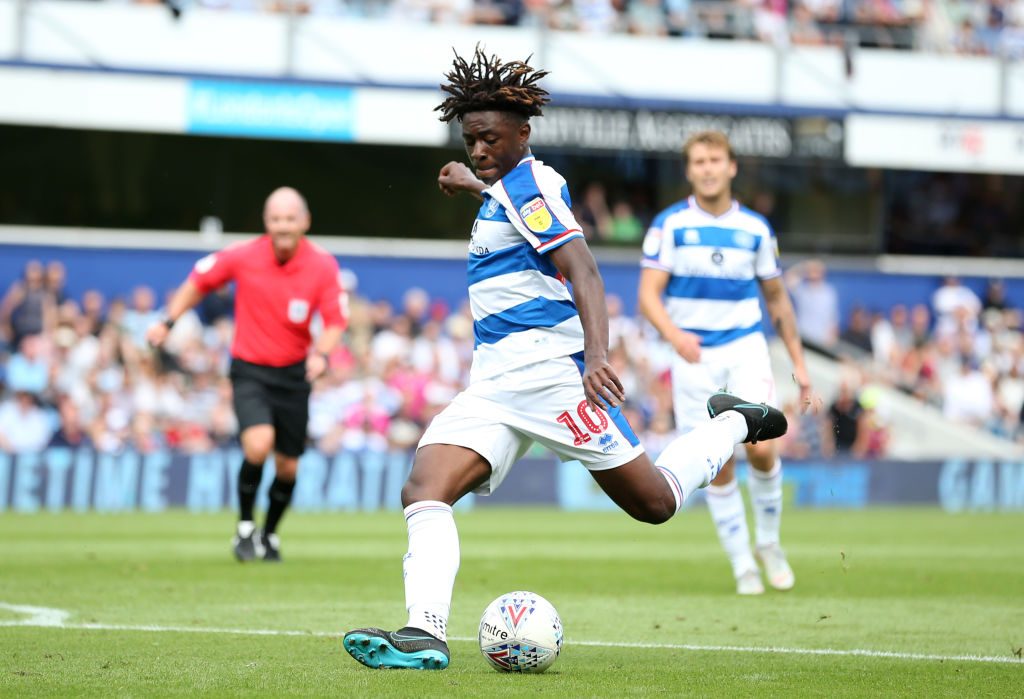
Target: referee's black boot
(245,544)
(763,421)
(271,547)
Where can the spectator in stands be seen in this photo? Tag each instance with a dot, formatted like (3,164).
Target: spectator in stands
(647,18)
(498,12)
(71,432)
(858,331)
(872,440)
(592,212)
(596,16)
(28,369)
(624,226)
(28,308)
(954,305)
(995,296)
(844,414)
(217,305)
(140,316)
(54,280)
(803,27)
(816,302)
(891,338)
(968,396)
(920,324)
(24,427)
(809,435)
(93,310)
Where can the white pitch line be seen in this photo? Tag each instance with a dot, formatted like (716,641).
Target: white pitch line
(55,618)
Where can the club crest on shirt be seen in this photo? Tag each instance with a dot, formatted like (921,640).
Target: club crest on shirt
(491,207)
(536,215)
(298,310)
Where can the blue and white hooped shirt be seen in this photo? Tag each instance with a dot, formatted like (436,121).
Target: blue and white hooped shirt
(715,263)
(522,310)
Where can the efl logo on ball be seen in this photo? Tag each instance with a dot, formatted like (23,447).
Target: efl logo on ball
(520,632)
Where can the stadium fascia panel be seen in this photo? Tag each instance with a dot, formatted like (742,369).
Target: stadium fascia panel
(562,99)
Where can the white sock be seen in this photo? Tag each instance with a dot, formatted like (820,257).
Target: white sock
(692,461)
(766,498)
(725,502)
(430,565)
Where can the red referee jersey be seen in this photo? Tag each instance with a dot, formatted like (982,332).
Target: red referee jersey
(275,302)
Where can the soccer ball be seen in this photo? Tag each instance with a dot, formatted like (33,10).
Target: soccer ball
(520,632)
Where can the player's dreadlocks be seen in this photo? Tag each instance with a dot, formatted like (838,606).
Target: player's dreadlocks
(488,84)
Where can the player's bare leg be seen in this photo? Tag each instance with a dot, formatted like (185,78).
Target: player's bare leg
(765,487)
(257,443)
(441,475)
(653,492)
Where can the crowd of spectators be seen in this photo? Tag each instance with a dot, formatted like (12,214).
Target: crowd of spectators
(964,26)
(960,353)
(77,371)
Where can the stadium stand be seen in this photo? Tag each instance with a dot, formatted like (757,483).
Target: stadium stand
(973,27)
(75,370)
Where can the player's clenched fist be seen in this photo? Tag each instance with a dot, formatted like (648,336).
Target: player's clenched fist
(455,177)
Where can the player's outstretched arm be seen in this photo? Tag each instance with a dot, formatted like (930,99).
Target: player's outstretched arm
(780,310)
(576,263)
(456,177)
(185,297)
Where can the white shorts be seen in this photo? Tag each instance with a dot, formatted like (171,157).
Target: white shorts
(499,418)
(741,367)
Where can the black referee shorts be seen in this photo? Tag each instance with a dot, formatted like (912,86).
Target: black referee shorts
(277,396)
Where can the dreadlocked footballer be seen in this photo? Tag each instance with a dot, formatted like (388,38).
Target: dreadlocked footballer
(540,369)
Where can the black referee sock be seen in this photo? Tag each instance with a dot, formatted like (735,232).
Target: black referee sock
(280,496)
(248,483)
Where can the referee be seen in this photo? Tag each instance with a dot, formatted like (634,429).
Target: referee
(281,279)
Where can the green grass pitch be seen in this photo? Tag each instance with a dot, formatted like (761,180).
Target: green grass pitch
(156,606)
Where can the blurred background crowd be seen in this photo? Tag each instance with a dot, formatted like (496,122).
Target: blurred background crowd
(77,371)
(979,27)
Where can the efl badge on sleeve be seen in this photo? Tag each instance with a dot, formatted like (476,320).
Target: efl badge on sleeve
(298,310)
(536,215)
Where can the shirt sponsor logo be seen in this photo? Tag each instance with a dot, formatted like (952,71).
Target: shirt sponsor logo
(298,310)
(743,239)
(536,215)
(717,257)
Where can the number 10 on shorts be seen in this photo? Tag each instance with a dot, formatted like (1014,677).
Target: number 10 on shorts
(583,412)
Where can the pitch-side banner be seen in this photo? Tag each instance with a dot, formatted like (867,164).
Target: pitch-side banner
(83,480)
(664,132)
(929,143)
